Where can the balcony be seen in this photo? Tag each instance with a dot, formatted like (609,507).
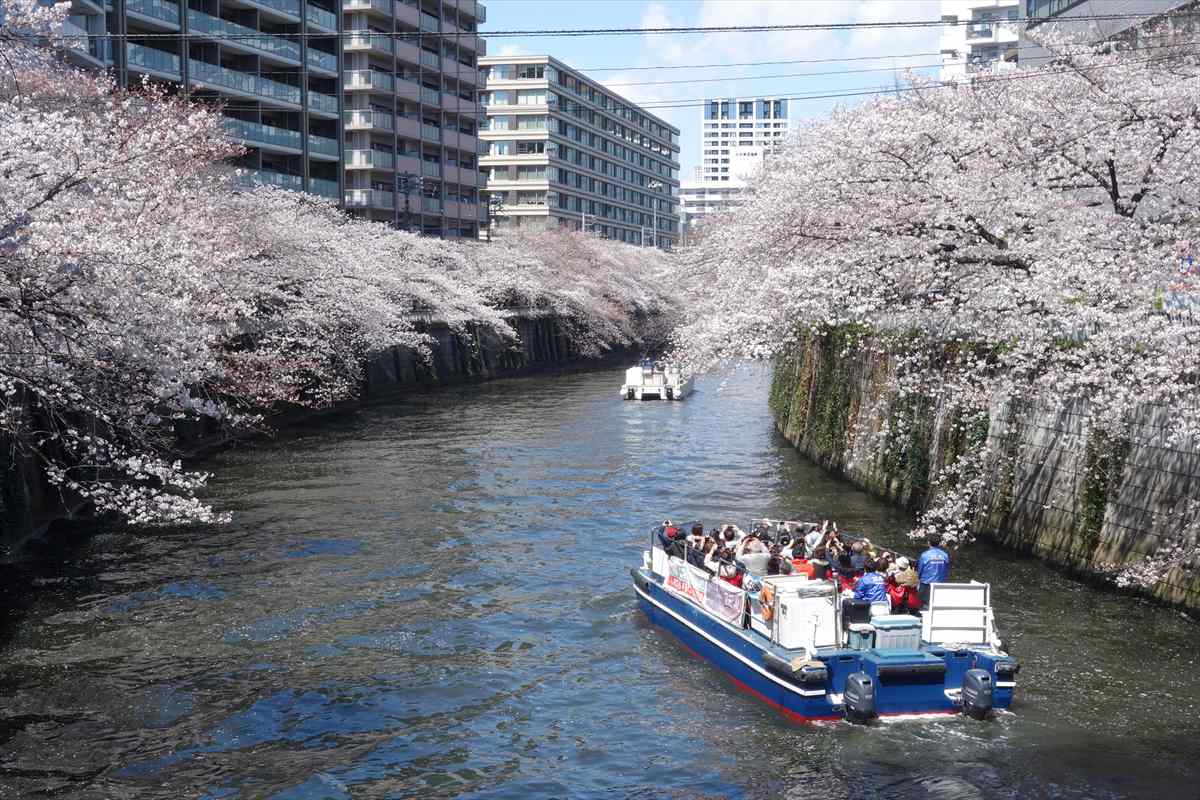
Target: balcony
(431,97)
(406,12)
(374,41)
(369,80)
(323,19)
(234,35)
(322,103)
(370,198)
(263,135)
(383,7)
(319,59)
(322,145)
(162,10)
(431,133)
(431,169)
(459,105)
(981,30)
(432,205)
(368,120)
(323,187)
(151,60)
(370,159)
(202,72)
(266,177)
(290,8)
(430,60)
(430,23)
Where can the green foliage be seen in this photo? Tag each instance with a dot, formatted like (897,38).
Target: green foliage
(1104,464)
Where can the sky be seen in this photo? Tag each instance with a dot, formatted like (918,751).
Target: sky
(645,68)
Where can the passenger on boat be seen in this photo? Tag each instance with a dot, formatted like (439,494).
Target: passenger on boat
(819,563)
(813,538)
(858,556)
(933,566)
(846,574)
(902,587)
(778,564)
(871,586)
(747,546)
(728,571)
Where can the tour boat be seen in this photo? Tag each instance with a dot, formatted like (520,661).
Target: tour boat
(796,644)
(656,381)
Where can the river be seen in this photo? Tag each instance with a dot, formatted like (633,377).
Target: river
(432,599)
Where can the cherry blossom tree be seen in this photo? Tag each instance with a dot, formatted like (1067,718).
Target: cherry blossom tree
(1029,218)
(141,290)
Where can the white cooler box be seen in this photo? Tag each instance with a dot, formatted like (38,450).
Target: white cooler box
(897,632)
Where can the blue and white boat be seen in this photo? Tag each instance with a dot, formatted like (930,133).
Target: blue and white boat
(787,640)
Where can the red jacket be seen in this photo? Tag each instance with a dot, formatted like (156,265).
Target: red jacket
(902,595)
(736,580)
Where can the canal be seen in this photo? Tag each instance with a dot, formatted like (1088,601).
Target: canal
(432,599)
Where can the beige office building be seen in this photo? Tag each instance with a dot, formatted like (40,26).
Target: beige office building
(562,150)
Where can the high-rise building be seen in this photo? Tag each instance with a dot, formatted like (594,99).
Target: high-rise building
(738,135)
(981,36)
(563,150)
(412,111)
(272,65)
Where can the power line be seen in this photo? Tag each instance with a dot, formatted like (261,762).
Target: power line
(578,32)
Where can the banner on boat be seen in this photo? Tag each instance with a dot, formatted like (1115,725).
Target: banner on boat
(719,597)
(724,600)
(686,579)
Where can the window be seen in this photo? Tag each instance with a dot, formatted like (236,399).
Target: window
(527,72)
(529,148)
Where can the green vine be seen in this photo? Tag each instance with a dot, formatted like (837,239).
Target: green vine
(1103,465)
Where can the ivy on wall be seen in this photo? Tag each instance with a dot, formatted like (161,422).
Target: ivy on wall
(1103,468)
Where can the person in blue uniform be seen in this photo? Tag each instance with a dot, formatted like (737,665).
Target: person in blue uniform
(932,567)
(872,586)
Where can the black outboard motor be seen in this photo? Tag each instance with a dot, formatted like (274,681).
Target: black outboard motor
(630,393)
(859,698)
(977,693)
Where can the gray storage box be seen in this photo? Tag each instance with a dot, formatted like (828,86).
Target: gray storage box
(897,632)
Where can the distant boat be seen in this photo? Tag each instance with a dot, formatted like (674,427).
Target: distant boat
(656,380)
(796,644)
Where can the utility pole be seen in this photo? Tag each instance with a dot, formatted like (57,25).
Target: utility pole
(495,207)
(406,184)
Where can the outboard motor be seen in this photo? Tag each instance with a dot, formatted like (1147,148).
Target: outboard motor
(859,698)
(977,693)
(630,392)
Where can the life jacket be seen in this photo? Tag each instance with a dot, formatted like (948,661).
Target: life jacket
(803,567)
(846,581)
(736,580)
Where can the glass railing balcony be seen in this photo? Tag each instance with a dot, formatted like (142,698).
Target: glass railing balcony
(373,159)
(323,187)
(368,119)
(980,30)
(157,9)
(321,18)
(433,204)
(286,6)
(431,169)
(322,144)
(382,6)
(369,79)
(431,133)
(322,60)
(205,72)
(431,96)
(199,22)
(149,58)
(322,102)
(430,60)
(429,23)
(372,39)
(257,133)
(266,177)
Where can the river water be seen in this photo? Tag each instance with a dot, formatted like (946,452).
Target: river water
(432,599)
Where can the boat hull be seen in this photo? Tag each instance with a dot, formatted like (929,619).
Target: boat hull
(742,660)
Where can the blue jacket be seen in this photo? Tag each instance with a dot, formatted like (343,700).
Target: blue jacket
(871,587)
(933,566)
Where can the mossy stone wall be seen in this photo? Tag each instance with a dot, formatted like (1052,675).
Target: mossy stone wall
(1063,492)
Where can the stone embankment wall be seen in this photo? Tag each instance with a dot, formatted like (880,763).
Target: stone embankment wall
(1062,492)
(28,504)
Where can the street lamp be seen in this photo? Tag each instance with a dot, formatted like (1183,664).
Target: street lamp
(654,186)
(495,206)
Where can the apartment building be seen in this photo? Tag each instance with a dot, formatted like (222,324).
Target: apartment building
(980,37)
(563,150)
(1137,22)
(738,136)
(272,64)
(412,83)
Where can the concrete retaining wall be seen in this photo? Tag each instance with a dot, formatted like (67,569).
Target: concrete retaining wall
(1064,492)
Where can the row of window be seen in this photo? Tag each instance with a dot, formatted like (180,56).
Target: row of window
(760,125)
(509,72)
(577,134)
(746,109)
(611,190)
(410,149)
(410,111)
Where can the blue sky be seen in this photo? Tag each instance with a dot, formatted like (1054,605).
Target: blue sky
(619,61)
